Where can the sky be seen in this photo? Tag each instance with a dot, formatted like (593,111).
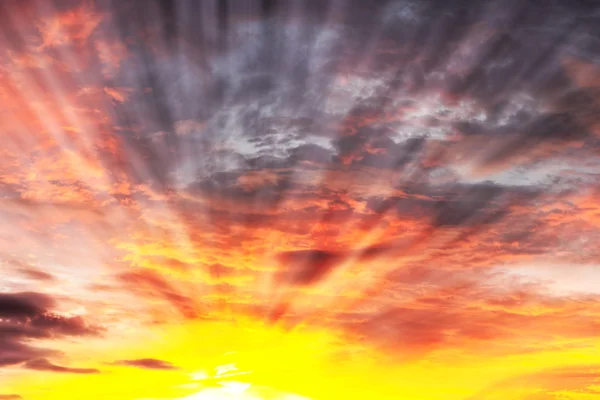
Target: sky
(300,200)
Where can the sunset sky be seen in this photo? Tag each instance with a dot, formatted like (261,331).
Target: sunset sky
(300,200)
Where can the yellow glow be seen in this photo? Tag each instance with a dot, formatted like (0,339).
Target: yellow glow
(248,359)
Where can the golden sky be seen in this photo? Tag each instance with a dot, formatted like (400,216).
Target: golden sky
(299,200)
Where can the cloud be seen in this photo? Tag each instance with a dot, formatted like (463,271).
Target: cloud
(147,363)
(14,352)
(28,316)
(405,173)
(116,94)
(154,285)
(41,364)
(305,267)
(31,272)
(68,27)
(24,305)
(548,384)
(419,310)
(37,274)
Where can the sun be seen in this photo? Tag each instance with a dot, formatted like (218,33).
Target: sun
(231,391)
(234,390)
(224,384)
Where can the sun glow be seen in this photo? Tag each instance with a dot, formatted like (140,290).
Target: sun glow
(240,391)
(252,360)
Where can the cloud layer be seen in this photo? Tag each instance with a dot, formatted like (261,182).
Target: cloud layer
(415,176)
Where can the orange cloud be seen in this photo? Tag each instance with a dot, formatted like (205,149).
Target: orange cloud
(69,27)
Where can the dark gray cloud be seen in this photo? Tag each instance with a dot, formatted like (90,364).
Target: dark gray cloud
(267,96)
(147,363)
(27,316)
(24,305)
(42,364)
(13,351)
(304,267)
